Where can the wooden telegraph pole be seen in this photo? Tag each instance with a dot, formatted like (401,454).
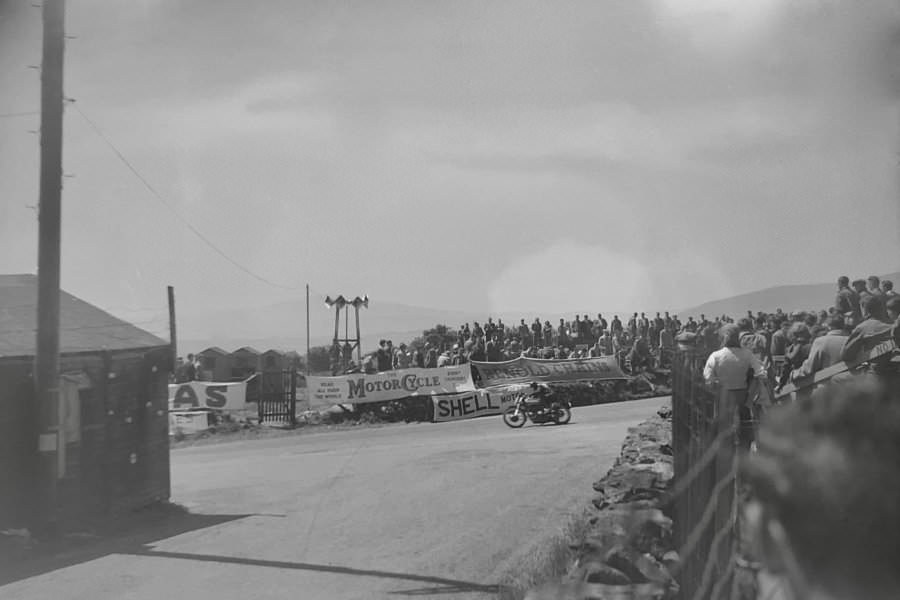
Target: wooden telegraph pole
(46,372)
(173,338)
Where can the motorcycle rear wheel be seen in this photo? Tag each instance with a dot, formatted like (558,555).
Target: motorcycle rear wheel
(514,418)
(562,415)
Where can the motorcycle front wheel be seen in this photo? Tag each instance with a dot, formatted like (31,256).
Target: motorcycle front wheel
(562,415)
(514,418)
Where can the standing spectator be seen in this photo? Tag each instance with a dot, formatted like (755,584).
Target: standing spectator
(477,332)
(431,357)
(643,326)
(478,352)
(887,286)
(562,333)
(383,360)
(691,325)
(459,356)
(796,354)
(825,350)
(493,350)
(548,333)
(418,358)
(778,345)
(730,370)
(524,333)
(846,302)
(632,326)
(500,330)
(874,286)
(389,348)
(444,359)
(402,359)
(536,329)
(666,347)
(601,323)
(859,286)
(639,355)
(489,329)
(605,343)
(615,326)
(586,336)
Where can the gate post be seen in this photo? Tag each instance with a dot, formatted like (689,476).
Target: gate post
(292,404)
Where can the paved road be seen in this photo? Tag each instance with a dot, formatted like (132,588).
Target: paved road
(422,510)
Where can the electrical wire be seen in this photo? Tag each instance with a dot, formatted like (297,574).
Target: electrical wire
(175,212)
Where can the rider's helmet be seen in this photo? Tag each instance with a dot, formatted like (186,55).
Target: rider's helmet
(534,385)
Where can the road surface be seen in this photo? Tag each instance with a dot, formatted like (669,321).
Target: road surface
(422,510)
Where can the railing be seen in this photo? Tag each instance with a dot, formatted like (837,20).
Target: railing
(705,429)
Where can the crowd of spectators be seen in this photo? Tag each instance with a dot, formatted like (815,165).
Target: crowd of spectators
(788,345)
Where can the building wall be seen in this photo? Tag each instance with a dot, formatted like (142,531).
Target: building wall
(120,459)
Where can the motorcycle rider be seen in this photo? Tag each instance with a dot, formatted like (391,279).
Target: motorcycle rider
(541,393)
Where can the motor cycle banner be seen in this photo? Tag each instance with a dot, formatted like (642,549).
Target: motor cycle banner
(390,385)
(480,403)
(523,370)
(208,394)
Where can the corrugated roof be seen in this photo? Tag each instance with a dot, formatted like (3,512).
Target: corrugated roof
(246,350)
(83,326)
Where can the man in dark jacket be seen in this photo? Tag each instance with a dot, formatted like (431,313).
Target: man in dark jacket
(846,302)
(873,330)
(825,350)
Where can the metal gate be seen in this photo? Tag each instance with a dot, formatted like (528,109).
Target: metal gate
(278,396)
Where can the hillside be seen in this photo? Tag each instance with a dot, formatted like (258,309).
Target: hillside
(786,297)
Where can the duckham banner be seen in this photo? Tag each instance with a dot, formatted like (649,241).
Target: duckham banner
(208,394)
(359,388)
(523,370)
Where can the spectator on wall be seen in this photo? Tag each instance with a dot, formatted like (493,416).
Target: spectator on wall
(493,350)
(562,333)
(431,356)
(873,330)
(548,333)
(825,350)
(632,326)
(524,333)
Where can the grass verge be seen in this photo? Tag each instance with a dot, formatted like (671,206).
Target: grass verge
(544,560)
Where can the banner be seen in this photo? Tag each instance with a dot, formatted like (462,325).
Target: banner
(208,394)
(523,370)
(390,385)
(456,407)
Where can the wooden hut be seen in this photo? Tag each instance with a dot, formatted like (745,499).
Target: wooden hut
(114,432)
(245,362)
(215,364)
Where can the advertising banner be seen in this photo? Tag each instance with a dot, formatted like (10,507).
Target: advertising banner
(456,407)
(208,394)
(390,385)
(523,370)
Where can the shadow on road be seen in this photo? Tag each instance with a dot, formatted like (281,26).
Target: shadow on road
(442,585)
(121,536)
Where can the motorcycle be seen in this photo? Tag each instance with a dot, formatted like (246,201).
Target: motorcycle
(522,410)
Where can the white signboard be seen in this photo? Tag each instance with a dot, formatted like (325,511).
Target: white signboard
(208,394)
(188,421)
(360,388)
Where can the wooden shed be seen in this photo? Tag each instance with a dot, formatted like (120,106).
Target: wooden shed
(113,409)
(245,362)
(215,364)
(273,360)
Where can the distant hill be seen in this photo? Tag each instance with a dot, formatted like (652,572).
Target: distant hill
(786,297)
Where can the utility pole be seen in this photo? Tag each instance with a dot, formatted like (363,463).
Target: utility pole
(46,371)
(173,339)
(307,330)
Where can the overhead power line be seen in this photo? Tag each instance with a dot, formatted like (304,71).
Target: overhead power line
(174,211)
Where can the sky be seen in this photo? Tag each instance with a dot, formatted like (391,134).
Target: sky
(483,155)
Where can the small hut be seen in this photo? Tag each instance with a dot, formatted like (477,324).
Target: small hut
(245,362)
(113,440)
(215,364)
